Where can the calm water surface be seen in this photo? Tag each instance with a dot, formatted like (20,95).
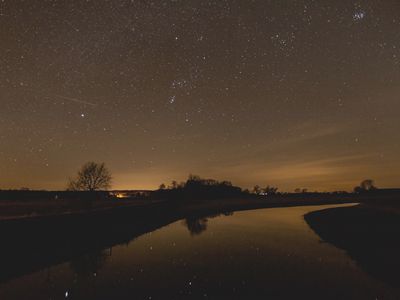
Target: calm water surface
(258,254)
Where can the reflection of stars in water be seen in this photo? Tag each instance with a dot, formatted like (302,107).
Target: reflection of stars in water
(359,15)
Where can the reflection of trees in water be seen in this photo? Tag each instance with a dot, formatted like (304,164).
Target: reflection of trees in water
(90,263)
(197,225)
(228,213)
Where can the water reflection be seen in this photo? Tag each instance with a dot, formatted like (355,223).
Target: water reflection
(260,254)
(198,224)
(33,245)
(90,263)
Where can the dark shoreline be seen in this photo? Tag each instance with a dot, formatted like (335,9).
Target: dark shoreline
(369,235)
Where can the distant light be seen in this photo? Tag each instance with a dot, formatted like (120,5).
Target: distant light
(120,195)
(66,294)
(83,115)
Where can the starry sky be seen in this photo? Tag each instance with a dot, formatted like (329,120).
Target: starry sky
(288,93)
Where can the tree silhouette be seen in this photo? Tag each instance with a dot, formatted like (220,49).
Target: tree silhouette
(365,186)
(299,190)
(196,225)
(174,184)
(270,190)
(256,189)
(91,177)
(196,187)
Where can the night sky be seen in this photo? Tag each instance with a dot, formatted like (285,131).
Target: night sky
(297,94)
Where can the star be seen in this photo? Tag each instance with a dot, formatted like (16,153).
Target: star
(181,77)
(359,15)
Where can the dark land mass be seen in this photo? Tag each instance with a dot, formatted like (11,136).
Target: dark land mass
(34,243)
(39,229)
(370,234)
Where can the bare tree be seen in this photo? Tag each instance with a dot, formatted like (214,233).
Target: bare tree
(91,177)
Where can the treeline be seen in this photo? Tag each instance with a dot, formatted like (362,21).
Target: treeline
(196,187)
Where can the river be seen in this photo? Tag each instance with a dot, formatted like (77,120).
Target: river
(257,254)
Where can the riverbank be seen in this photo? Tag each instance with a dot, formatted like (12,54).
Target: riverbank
(370,235)
(34,205)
